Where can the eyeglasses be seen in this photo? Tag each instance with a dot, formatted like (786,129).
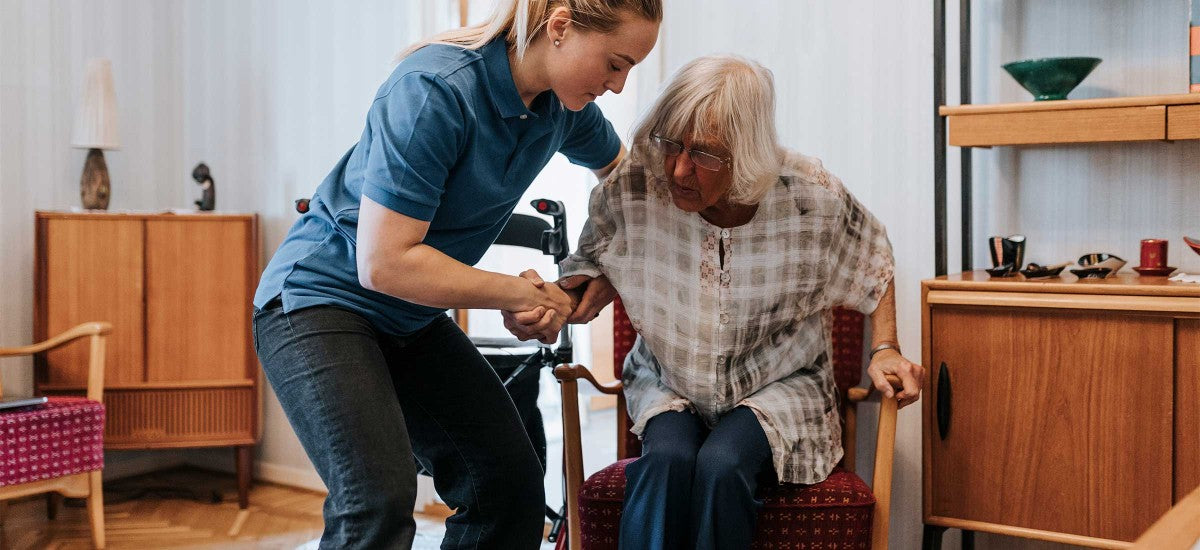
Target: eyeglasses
(701,159)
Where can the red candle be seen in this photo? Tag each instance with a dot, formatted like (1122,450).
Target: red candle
(1154,253)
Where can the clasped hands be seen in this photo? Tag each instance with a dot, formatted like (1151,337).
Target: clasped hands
(575,299)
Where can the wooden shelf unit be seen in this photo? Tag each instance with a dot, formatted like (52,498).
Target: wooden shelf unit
(1069,415)
(1148,118)
(1030,353)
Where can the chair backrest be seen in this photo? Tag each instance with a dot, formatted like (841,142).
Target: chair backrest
(848,329)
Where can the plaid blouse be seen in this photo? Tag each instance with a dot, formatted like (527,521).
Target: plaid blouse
(753,330)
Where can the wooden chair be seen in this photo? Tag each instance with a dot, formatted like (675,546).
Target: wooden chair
(840,512)
(1178,529)
(59,447)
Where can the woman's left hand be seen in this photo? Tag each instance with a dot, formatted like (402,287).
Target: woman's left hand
(911,375)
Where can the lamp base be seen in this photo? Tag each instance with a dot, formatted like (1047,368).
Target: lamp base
(94,187)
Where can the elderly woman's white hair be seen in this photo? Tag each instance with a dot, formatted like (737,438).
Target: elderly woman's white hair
(728,98)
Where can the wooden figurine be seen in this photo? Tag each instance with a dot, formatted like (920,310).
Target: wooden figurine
(208,193)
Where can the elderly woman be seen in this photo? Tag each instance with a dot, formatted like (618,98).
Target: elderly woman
(729,252)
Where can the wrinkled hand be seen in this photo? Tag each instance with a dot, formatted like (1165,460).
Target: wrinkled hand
(543,322)
(596,294)
(912,376)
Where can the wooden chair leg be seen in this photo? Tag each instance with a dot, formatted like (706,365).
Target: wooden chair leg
(52,500)
(95,508)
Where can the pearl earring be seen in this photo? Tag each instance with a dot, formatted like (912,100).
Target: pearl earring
(557,42)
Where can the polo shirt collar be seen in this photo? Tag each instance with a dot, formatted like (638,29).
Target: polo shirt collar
(503,90)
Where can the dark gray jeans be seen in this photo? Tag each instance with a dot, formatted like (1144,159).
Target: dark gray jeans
(364,403)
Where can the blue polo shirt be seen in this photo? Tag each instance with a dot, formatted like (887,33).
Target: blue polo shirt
(449,141)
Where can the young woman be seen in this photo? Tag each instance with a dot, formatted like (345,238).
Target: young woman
(349,316)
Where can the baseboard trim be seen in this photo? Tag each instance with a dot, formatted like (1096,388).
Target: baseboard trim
(304,478)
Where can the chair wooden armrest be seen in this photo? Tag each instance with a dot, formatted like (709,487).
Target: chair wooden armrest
(1178,529)
(885,446)
(568,376)
(98,331)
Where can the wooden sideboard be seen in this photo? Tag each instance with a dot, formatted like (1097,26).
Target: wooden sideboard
(180,367)
(1059,409)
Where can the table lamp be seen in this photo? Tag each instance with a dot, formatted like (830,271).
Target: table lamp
(96,130)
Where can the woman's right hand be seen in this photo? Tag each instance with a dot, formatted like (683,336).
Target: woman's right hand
(548,309)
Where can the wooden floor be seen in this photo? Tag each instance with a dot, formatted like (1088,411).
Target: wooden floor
(278,517)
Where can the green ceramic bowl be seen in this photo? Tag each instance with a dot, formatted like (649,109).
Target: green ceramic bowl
(1051,77)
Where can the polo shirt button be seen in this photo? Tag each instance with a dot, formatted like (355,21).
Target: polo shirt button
(725,233)
(523,117)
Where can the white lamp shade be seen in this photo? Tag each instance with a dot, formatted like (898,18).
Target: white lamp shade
(96,120)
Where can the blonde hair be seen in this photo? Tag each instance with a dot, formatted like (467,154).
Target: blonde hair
(728,98)
(519,21)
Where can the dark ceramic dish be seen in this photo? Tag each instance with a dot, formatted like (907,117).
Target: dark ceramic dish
(1153,271)
(1051,78)
(1092,272)
(1035,271)
(1005,270)
(1100,259)
(1194,244)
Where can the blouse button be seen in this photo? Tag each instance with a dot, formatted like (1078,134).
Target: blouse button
(724,318)
(724,277)
(720,358)
(725,233)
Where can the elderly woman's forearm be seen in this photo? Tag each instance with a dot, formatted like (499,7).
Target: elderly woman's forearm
(883,319)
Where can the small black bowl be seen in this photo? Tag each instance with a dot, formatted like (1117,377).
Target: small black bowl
(1092,272)
(1035,271)
(1005,270)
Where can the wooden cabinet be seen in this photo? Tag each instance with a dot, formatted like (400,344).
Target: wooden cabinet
(1063,410)
(180,365)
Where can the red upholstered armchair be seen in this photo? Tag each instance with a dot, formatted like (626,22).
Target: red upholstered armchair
(841,512)
(59,446)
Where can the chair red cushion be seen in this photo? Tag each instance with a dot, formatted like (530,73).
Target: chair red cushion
(63,437)
(847,344)
(833,514)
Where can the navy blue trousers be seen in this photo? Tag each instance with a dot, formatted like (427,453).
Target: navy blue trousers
(694,488)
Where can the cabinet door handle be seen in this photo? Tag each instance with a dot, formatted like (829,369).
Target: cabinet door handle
(943,401)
